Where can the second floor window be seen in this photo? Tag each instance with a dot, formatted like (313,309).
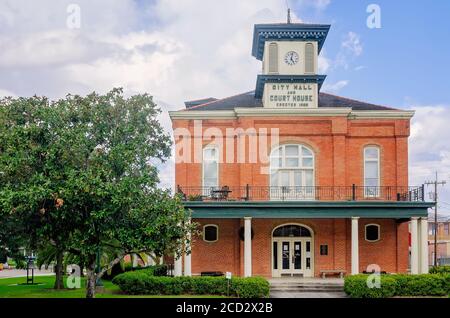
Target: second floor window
(210,167)
(371,171)
(292,172)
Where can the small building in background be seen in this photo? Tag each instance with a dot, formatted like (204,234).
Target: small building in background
(443,239)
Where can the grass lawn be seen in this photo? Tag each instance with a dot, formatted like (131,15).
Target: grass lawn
(12,288)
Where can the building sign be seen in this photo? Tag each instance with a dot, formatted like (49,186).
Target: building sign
(290,95)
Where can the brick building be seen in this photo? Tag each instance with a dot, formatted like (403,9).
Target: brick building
(443,239)
(288,181)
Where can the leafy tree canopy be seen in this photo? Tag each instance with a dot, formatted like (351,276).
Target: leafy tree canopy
(80,173)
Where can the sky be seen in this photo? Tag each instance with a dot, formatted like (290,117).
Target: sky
(178,50)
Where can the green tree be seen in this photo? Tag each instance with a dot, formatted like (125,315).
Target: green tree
(82,171)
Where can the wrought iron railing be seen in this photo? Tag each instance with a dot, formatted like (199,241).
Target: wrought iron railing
(293,193)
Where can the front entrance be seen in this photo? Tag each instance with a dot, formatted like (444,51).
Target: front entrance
(292,252)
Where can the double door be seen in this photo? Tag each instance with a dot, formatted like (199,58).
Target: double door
(292,257)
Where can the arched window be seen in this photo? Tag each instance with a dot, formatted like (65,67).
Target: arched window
(372,232)
(292,231)
(210,233)
(273,58)
(210,167)
(292,173)
(309,58)
(371,171)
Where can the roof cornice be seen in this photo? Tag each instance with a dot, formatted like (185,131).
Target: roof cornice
(382,114)
(287,32)
(202,114)
(271,112)
(310,112)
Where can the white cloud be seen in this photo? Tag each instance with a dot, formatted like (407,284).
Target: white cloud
(352,43)
(335,87)
(174,50)
(324,63)
(429,147)
(6,93)
(351,48)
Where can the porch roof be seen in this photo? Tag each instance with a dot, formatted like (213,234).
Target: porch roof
(309,209)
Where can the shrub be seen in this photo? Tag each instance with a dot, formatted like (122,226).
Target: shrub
(155,270)
(356,287)
(251,287)
(160,270)
(144,283)
(399,285)
(421,285)
(440,270)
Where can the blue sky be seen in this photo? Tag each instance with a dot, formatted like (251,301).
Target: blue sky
(178,50)
(406,61)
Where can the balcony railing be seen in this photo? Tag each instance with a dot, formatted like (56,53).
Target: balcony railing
(318,193)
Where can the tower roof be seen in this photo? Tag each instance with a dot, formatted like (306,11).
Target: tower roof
(287,32)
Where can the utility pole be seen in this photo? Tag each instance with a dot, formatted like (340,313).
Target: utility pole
(436,182)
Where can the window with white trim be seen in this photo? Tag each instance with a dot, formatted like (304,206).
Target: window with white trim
(210,233)
(292,172)
(371,171)
(372,232)
(210,168)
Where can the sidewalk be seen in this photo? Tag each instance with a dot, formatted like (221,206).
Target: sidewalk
(10,273)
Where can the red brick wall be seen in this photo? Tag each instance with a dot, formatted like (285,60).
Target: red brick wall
(226,255)
(338,144)
(223,255)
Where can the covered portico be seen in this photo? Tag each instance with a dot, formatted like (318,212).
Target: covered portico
(352,213)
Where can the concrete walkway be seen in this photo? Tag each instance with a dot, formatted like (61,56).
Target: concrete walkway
(280,294)
(307,288)
(10,273)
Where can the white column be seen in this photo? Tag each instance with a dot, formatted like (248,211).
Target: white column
(134,260)
(187,257)
(150,261)
(178,267)
(424,246)
(247,247)
(414,246)
(355,245)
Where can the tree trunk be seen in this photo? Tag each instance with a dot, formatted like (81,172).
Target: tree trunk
(91,278)
(81,270)
(59,283)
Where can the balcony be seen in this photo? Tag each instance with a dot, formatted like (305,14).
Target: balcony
(317,193)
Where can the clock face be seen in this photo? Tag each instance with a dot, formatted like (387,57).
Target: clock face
(291,58)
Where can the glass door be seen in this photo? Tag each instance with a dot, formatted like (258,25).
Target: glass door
(297,255)
(285,256)
(291,256)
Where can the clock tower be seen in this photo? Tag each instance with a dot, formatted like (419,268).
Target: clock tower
(289,54)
